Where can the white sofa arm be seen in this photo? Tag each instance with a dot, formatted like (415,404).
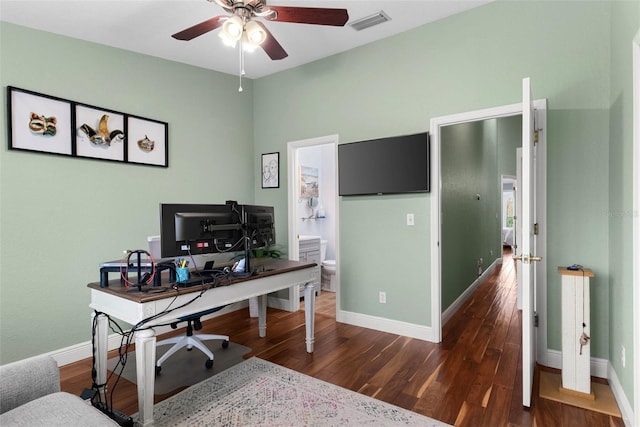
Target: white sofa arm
(26,380)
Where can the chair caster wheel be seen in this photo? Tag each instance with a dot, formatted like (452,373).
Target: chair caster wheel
(158,369)
(225,344)
(209,364)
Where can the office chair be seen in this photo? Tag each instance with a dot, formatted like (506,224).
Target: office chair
(190,340)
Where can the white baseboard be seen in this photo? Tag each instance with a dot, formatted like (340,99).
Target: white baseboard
(446,315)
(623,403)
(553,359)
(77,352)
(386,325)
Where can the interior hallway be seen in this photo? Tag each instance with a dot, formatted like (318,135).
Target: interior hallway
(472,378)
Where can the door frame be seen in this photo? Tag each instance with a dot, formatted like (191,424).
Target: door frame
(436,223)
(292,209)
(636,227)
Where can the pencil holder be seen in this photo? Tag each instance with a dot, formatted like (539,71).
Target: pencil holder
(182,274)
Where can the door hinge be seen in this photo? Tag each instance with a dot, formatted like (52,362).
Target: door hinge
(536,128)
(535,229)
(536,319)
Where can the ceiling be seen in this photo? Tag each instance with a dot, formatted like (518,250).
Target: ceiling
(146,27)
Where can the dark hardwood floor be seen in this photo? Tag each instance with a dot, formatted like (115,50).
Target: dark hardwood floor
(472,378)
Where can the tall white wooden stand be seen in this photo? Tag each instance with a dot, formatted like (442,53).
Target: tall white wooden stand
(576,364)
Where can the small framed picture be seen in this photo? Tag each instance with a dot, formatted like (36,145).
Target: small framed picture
(147,141)
(308,182)
(99,133)
(39,122)
(271,170)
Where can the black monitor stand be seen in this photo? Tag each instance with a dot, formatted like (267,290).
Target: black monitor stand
(247,248)
(246,242)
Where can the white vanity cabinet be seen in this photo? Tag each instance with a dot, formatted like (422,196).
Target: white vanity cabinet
(309,250)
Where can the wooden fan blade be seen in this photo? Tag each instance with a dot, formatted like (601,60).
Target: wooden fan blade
(271,45)
(201,28)
(308,15)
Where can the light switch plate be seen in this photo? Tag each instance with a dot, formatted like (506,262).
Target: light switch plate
(410,219)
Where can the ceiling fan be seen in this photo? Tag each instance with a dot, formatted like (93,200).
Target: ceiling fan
(241,26)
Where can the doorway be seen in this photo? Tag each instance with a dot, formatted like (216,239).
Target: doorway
(314,214)
(478,212)
(437,125)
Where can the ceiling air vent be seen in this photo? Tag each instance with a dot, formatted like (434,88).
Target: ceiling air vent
(370,21)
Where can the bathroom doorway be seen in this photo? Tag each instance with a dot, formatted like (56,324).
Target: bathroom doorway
(312,187)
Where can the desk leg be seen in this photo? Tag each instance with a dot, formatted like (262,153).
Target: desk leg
(101,339)
(146,371)
(262,316)
(309,314)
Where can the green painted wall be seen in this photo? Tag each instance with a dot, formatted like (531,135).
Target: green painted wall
(474,156)
(509,140)
(626,16)
(470,202)
(60,217)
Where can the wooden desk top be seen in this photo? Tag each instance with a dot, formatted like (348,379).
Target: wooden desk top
(265,266)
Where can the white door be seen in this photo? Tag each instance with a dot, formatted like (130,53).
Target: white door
(516,224)
(527,246)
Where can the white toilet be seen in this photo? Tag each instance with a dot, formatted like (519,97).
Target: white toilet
(328,269)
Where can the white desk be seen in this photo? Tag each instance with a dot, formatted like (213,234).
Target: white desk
(133,308)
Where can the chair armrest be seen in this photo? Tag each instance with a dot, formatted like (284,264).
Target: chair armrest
(26,380)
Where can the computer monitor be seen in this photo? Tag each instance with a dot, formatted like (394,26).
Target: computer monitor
(199,229)
(260,225)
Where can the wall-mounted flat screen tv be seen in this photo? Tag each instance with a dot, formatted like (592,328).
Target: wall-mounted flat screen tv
(392,165)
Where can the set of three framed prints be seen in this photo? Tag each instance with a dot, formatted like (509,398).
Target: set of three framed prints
(47,124)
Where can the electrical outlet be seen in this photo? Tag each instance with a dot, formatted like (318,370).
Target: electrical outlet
(382,297)
(410,219)
(623,356)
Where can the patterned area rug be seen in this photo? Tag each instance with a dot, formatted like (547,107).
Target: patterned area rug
(260,393)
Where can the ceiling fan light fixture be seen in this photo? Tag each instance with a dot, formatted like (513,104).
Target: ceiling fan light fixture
(369,21)
(232,29)
(255,33)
